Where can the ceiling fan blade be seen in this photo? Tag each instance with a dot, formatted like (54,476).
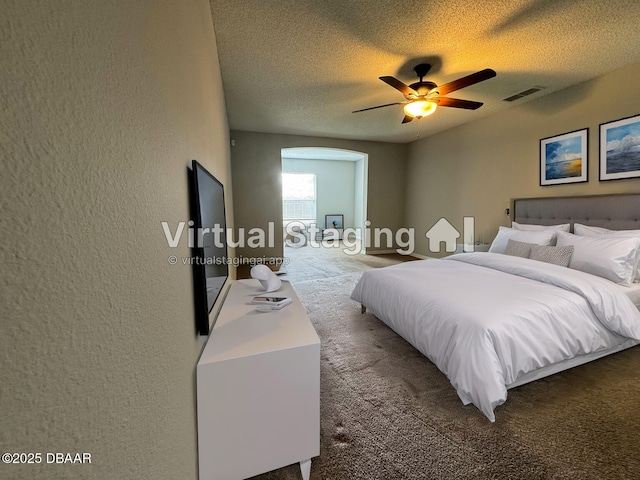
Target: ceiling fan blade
(407,119)
(379,106)
(457,103)
(398,85)
(477,77)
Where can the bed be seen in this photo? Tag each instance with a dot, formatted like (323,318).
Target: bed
(493,321)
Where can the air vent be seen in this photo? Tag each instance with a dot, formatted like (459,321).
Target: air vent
(518,96)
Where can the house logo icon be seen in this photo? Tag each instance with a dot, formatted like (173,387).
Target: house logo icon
(443,232)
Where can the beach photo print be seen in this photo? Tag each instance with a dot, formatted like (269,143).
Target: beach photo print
(563,158)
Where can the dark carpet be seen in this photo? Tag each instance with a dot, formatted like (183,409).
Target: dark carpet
(389,413)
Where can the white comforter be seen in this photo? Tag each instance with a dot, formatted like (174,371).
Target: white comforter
(486,319)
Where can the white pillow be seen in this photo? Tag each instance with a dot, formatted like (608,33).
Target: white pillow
(541,237)
(610,257)
(587,231)
(564,227)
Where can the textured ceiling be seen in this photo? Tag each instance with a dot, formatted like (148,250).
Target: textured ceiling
(302,66)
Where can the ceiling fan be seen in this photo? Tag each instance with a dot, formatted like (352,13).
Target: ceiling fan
(422,98)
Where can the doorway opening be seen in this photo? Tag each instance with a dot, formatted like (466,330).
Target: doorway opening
(323,185)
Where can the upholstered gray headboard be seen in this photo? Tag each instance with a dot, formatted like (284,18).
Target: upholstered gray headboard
(617,212)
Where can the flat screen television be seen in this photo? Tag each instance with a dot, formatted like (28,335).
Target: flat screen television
(210,266)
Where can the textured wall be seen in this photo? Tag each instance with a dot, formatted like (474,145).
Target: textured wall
(104,104)
(477,168)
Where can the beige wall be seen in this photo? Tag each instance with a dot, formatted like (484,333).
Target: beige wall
(104,104)
(476,169)
(257,165)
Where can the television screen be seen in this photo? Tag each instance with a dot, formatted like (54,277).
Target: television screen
(210,268)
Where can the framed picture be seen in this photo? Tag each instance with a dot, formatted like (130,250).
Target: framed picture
(620,149)
(334,221)
(563,158)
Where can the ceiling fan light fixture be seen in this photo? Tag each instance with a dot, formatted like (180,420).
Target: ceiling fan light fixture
(420,108)
(423,97)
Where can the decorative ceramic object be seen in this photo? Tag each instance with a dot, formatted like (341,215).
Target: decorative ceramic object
(269,280)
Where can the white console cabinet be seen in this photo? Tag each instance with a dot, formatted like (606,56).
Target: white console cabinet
(258,387)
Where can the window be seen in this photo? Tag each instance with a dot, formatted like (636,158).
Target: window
(298,197)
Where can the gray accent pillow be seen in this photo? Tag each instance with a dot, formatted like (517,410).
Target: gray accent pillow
(556,255)
(518,249)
